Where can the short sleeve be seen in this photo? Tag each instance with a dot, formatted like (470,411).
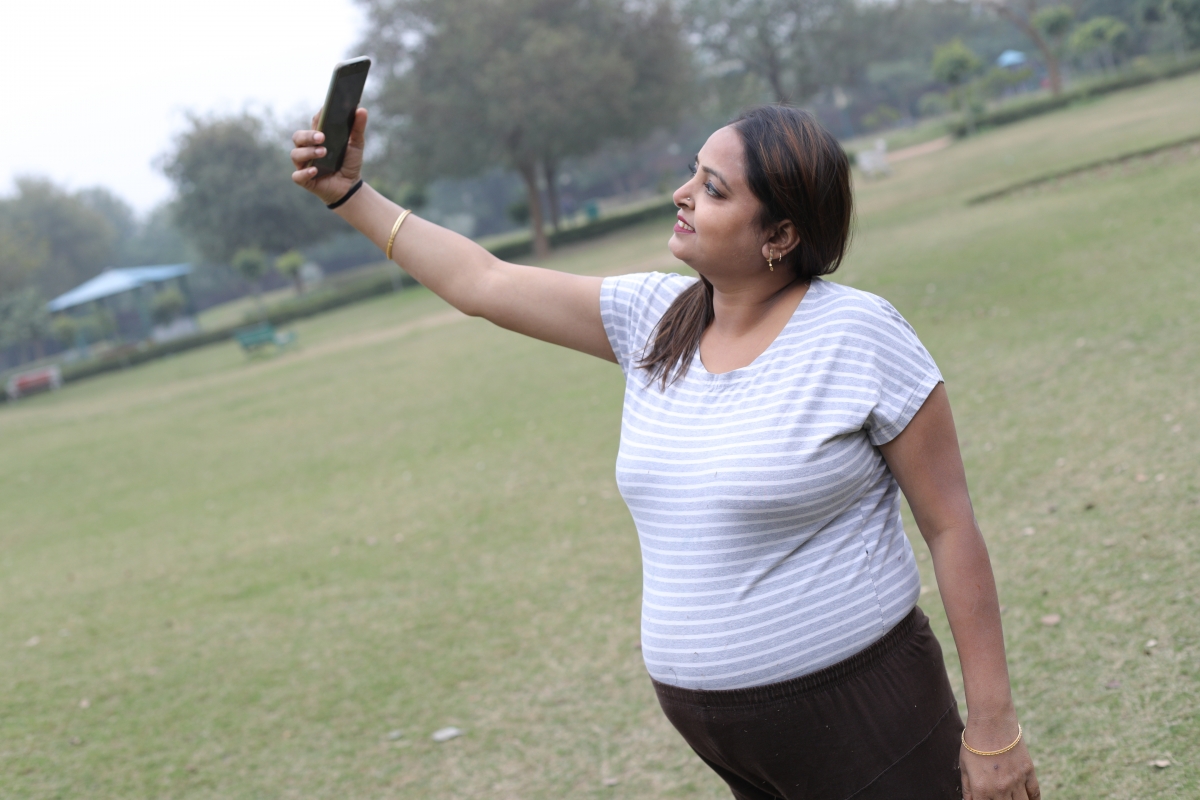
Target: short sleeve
(631,306)
(905,371)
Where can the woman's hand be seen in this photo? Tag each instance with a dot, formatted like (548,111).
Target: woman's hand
(1005,777)
(309,145)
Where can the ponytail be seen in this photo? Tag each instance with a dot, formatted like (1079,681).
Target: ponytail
(676,337)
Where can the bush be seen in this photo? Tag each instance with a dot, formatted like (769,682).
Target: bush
(1139,75)
(329,298)
(518,211)
(288,265)
(167,305)
(64,329)
(513,248)
(932,104)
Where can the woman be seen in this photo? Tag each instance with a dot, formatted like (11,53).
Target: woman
(771,419)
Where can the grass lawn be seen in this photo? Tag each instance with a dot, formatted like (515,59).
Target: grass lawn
(235,578)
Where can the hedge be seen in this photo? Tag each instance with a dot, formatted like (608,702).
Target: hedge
(354,291)
(512,248)
(1016,112)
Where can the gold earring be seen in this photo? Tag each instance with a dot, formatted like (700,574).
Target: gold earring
(771,260)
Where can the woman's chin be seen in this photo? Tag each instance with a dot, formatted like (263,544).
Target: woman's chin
(677,247)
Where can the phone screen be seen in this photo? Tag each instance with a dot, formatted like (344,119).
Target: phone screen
(337,116)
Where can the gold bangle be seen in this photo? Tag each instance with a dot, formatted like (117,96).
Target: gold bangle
(395,230)
(991,752)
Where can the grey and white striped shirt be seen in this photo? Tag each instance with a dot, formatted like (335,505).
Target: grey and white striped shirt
(769,522)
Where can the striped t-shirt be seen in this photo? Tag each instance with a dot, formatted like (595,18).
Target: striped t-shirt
(769,522)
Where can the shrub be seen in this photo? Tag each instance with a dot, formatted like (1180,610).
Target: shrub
(1017,111)
(167,305)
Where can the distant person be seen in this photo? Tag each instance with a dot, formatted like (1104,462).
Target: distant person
(771,420)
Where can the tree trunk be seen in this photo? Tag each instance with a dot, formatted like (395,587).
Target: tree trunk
(1053,70)
(541,245)
(550,170)
(772,65)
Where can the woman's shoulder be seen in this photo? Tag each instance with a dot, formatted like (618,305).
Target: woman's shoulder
(838,301)
(650,282)
(643,292)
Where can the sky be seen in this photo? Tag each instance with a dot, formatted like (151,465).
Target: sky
(95,92)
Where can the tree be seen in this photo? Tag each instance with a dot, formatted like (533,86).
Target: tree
(1187,12)
(289,264)
(1054,23)
(157,240)
(21,255)
(251,264)
(24,319)
(64,240)
(234,190)
(1101,37)
(472,84)
(1023,14)
(116,212)
(954,64)
(797,48)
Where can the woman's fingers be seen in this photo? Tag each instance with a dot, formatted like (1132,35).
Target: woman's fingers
(307,138)
(304,176)
(301,156)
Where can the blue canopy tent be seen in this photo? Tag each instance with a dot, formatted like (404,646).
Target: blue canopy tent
(1011,58)
(138,282)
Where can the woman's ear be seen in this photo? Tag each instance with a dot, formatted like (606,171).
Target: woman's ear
(782,240)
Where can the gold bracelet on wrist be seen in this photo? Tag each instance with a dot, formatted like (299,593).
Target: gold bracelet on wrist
(999,752)
(395,230)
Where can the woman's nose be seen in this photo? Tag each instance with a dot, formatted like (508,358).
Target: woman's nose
(682,197)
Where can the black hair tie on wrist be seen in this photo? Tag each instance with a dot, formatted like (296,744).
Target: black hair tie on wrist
(346,196)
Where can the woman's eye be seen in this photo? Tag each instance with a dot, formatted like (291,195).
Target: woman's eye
(712,189)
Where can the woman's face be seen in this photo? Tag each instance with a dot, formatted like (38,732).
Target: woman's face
(717,231)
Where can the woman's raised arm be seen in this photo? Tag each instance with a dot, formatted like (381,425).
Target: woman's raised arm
(553,306)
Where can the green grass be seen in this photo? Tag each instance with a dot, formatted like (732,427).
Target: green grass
(255,570)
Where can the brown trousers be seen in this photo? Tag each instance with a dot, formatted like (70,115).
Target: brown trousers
(881,725)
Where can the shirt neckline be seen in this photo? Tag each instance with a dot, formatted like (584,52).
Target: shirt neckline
(734,375)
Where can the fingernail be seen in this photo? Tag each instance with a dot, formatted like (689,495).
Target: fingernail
(320,151)
(320,137)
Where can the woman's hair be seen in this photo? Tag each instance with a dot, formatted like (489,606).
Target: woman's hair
(798,172)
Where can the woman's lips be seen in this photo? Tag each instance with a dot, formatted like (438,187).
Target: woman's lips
(681,225)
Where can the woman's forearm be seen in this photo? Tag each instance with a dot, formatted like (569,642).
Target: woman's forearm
(452,266)
(968,589)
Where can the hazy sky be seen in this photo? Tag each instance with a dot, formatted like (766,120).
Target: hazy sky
(94,92)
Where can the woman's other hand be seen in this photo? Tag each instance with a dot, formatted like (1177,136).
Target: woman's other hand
(309,145)
(1002,777)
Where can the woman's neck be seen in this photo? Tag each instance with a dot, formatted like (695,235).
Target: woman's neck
(746,320)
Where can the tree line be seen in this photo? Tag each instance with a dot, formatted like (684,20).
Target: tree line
(551,97)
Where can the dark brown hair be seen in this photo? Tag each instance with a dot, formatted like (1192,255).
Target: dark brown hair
(798,172)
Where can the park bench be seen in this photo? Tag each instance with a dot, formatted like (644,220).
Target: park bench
(35,380)
(256,337)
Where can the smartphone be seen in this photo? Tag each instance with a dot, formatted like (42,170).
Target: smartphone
(337,115)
